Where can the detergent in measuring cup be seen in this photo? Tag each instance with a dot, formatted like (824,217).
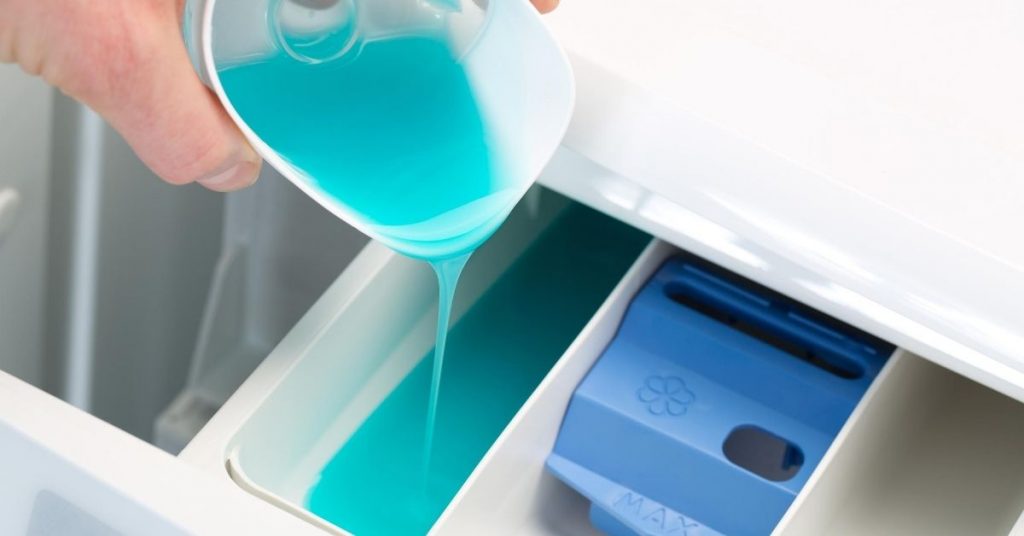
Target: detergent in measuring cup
(419,122)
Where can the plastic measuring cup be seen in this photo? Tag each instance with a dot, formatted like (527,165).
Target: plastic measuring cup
(519,78)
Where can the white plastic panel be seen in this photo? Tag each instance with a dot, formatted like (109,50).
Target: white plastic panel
(66,472)
(930,453)
(877,179)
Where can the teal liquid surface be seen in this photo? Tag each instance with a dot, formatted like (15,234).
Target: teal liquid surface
(498,352)
(391,135)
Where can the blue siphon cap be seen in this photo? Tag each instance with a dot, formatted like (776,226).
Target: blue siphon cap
(711,407)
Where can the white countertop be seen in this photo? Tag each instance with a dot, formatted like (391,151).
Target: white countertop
(864,157)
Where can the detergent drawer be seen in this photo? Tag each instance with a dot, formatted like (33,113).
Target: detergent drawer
(364,348)
(924,451)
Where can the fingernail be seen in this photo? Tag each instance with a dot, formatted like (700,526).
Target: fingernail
(233,178)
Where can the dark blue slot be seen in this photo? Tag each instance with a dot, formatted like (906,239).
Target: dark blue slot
(774,320)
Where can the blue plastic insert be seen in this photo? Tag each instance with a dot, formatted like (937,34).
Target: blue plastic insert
(711,407)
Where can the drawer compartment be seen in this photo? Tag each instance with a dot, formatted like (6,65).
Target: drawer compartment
(348,387)
(925,451)
(930,453)
(513,494)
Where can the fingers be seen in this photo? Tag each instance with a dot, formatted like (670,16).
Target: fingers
(146,88)
(545,6)
(126,60)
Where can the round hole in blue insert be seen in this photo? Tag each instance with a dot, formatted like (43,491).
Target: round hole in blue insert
(763,453)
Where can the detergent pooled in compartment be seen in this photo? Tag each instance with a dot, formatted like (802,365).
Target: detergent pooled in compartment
(393,135)
(498,353)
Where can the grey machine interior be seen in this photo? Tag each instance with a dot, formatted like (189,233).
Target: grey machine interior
(143,303)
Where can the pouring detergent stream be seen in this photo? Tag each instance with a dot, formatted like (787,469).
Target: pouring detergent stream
(420,122)
(410,119)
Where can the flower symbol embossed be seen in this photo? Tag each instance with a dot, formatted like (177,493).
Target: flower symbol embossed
(665,395)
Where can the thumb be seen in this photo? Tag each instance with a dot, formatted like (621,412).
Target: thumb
(154,99)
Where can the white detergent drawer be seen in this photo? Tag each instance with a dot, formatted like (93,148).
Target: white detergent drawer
(65,472)
(372,333)
(372,329)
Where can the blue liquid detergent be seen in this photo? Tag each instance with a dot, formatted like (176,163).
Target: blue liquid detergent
(448,272)
(392,134)
(498,352)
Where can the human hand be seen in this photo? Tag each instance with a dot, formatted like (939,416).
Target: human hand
(126,60)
